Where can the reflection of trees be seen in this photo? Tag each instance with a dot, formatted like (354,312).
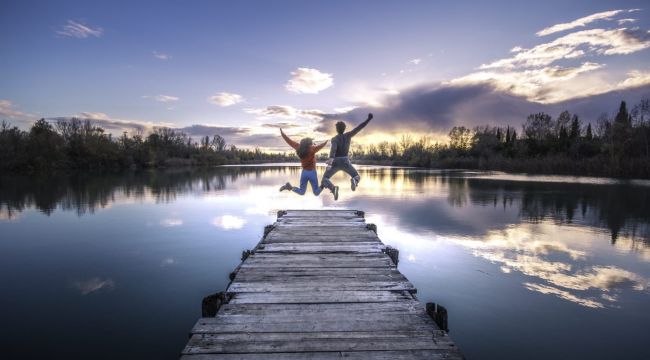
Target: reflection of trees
(84,192)
(623,210)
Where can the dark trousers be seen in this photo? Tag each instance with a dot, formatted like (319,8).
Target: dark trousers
(339,164)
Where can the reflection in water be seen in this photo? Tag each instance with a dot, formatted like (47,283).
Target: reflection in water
(516,245)
(88,286)
(529,249)
(581,249)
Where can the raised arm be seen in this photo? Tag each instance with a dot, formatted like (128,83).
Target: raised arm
(361,126)
(291,143)
(317,148)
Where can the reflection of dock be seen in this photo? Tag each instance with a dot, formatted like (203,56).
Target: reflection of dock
(320,285)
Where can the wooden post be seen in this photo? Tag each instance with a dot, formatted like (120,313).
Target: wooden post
(245,254)
(361,213)
(281,213)
(211,303)
(439,315)
(372,227)
(392,253)
(267,230)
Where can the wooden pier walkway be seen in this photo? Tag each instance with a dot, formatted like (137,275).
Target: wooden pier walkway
(319,285)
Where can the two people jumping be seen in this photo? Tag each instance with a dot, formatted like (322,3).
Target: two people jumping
(338,161)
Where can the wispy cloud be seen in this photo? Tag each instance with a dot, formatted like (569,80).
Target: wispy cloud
(626,21)
(415,61)
(161,56)
(162,98)
(285,112)
(8,110)
(309,81)
(78,30)
(575,45)
(581,22)
(226,99)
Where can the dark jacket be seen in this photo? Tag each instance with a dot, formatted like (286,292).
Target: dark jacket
(341,142)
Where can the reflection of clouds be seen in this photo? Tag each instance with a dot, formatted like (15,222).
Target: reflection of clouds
(549,290)
(525,249)
(168,262)
(171,222)
(86,287)
(228,222)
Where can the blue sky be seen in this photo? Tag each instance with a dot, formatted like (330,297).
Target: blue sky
(162,63)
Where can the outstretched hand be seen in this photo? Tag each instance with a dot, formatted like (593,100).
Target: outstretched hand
(369,116)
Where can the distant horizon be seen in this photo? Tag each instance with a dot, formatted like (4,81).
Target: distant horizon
(242,70)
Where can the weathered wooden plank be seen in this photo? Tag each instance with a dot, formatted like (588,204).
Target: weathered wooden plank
(323,247)
(307,342)
(437,354)
(319,285)
(410,306)
(320,297)
(313,323)
(255,274)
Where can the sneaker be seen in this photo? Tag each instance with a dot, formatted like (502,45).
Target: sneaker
(286,186)
(336,193)
(353,183)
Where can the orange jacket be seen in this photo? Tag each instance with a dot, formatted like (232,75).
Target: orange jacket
(309,161)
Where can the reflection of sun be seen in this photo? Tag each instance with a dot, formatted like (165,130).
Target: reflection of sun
(228,222)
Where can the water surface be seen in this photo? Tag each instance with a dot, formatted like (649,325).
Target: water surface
(115,266)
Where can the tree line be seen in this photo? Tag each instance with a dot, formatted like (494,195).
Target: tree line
(79,144)
(614,146)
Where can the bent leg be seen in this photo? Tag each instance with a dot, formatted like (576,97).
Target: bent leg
(303,184)
(349,169)
(327,175)
(313,180)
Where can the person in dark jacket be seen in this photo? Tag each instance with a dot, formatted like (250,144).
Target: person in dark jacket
(339,159)
(307,153)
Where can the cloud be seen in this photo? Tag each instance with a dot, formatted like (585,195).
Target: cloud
(281,125)
(161,56)
(435,108)
(8,110)
(162,98)
(575,45)
(544,85)
(626,21)
(581,22)
(309,81)
(415,61)
(285,112)
(226,99)
(88,286)
(113,125)
(78,30)
(228,222)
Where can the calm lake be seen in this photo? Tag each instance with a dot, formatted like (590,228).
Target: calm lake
(115,266)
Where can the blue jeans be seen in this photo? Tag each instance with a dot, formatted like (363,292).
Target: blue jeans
(306,176)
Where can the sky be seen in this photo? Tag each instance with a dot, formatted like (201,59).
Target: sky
(242,69)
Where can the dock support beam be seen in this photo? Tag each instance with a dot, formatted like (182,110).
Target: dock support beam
(211,303)
(392,253)
(439,315)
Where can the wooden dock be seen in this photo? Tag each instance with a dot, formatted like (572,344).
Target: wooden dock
(319,285)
